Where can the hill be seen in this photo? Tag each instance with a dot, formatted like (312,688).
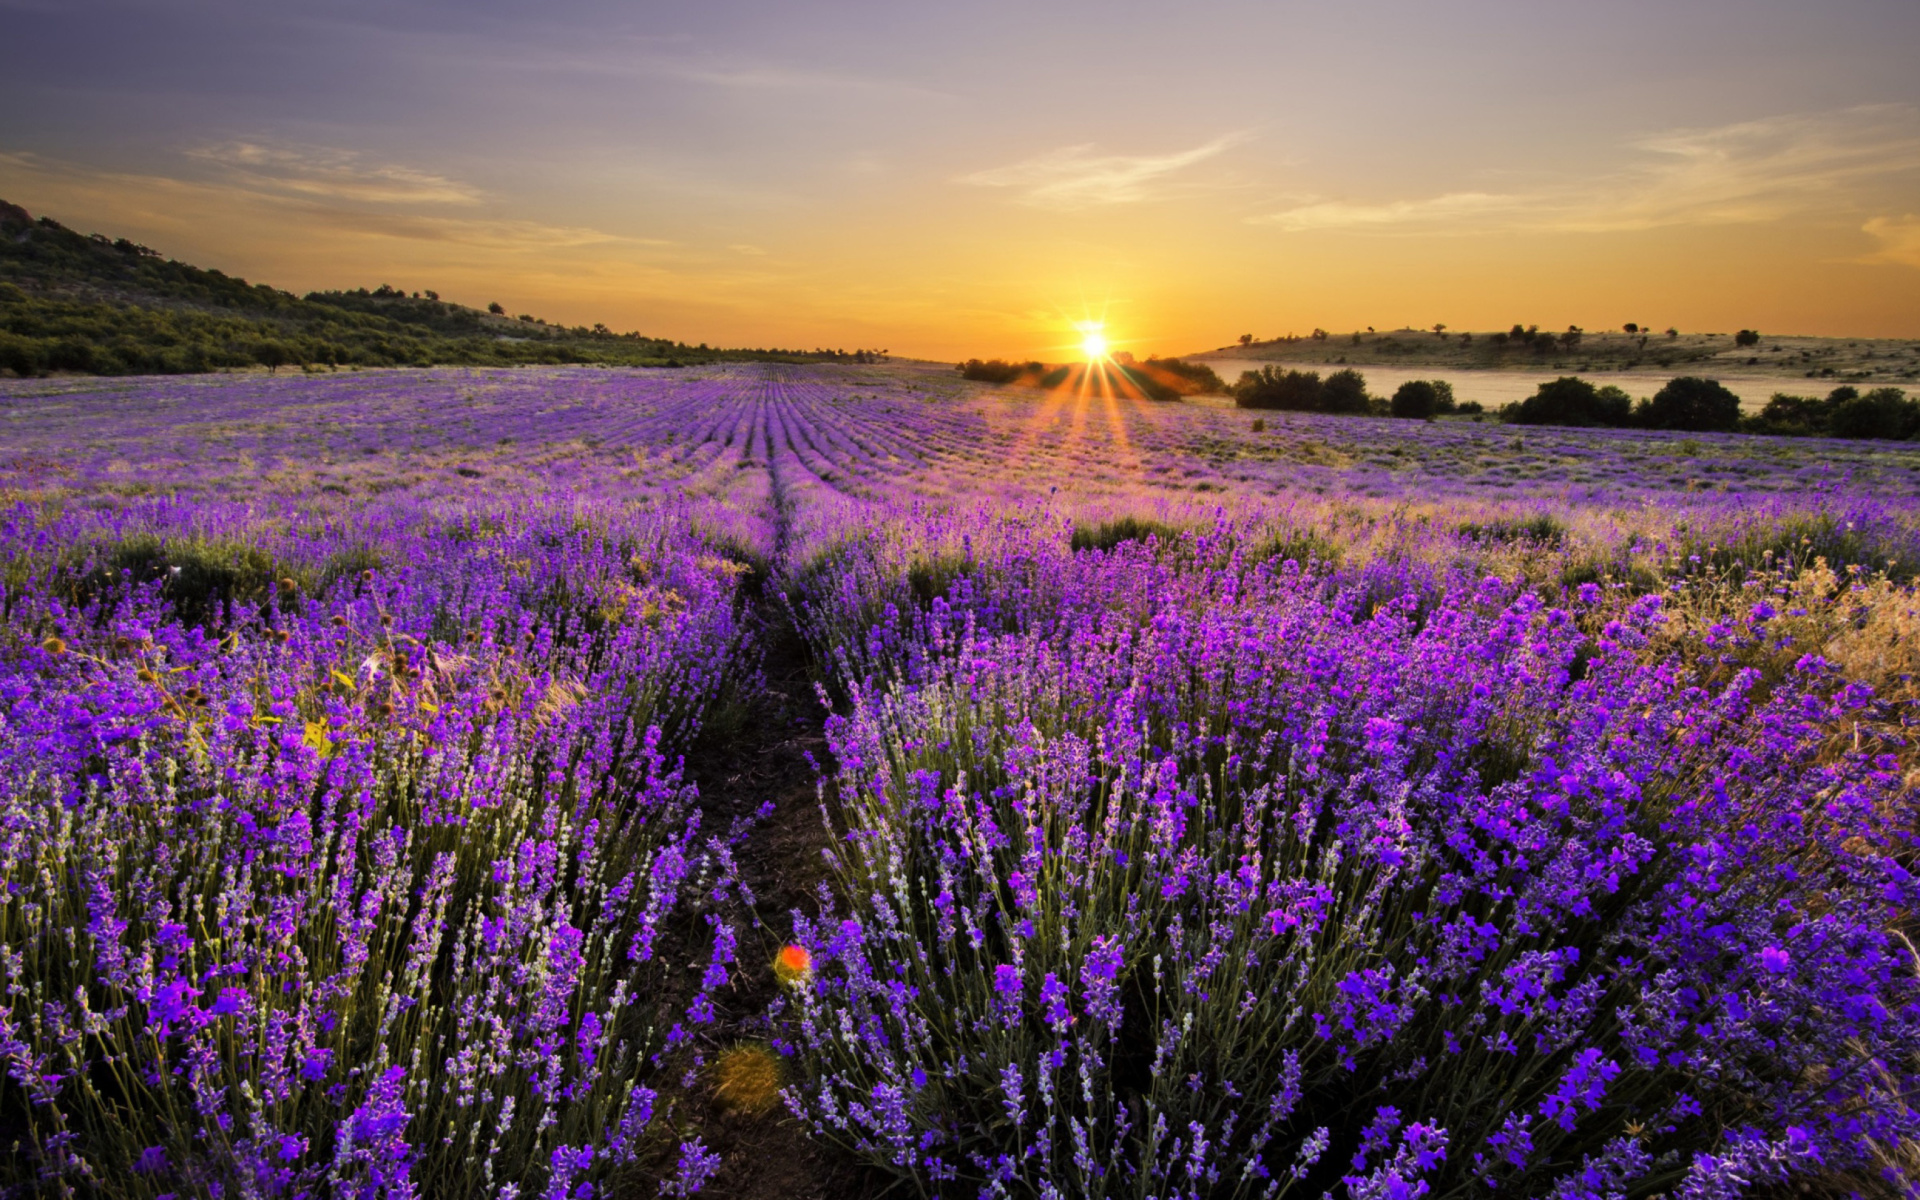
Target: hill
(1853,360)
(91,304)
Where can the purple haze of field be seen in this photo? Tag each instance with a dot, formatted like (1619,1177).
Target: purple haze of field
(1360,807)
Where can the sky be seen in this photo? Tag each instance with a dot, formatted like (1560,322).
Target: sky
(952,180)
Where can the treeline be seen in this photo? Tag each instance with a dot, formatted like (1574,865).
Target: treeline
(1345,392)
(1687,404)
(1698,405)
(1155,378)
(86,303)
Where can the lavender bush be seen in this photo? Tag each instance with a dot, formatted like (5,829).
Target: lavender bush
(365,892)
(1202,877)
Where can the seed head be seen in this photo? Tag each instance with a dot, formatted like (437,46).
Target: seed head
(54,646)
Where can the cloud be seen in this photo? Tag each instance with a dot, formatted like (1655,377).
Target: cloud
(1075,177)
(167,203)
(333,174)
(1751,171)
(1899,239)
(1315,213)
(491,234)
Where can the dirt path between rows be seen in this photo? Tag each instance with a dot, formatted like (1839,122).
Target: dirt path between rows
(762,757)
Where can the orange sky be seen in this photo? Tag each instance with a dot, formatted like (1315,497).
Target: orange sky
(949,184)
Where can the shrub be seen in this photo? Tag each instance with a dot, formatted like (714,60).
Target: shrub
(1271,387)
(1344,392)
(994,370)
(1883,413)
(1416,400)
(1692,404)
(1746,337)
(1570,400)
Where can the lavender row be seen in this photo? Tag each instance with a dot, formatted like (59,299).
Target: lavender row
(382,881)
(1183,869)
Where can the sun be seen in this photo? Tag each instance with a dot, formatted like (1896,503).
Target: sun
(1093,343)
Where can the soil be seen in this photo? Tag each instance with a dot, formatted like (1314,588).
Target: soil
(764,758)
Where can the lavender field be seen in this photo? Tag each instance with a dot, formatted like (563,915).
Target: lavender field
(1334,808)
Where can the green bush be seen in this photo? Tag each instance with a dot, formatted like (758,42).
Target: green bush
(1570,400)
(1692,404)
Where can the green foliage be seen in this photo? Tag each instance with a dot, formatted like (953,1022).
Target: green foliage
(1302,391)
(1885,413)
(994,370)
(1108,534)
(1416,400)
(85,303)
(1693,404)
(1570,400)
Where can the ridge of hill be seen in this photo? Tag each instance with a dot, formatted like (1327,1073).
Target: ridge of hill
(92,304)
(1578,351)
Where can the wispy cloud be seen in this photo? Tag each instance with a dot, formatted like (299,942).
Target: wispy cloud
(1310,212)
(1076,177)
(1746,172)
(167,202)
(1899,239)
(334,174)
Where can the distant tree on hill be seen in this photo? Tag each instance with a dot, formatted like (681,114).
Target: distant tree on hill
(1631,327)
(1692,404)
(497,309)
(272,356)
(1439,328)
(1747,337)
(1246,339)
(1571,337)
(1319,335)
(1672,332)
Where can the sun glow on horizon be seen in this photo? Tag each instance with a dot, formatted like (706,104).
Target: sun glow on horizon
(1093,342)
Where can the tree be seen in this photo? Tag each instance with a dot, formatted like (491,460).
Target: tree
(497,309)
(1570,400)
(1246,339)
(1319,335)
(1693,404)
(1269,387)
(1672,332)
(1571,337)
(1883,413)
(1439,328)
(432,295)
(1344,392)
(1416,400)
(1747,337)
(1631,327)
(272,356)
